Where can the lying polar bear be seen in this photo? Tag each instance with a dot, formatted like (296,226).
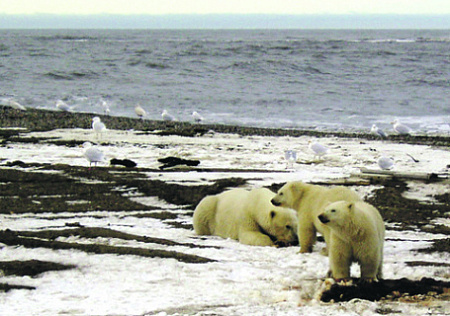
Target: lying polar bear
(247,216)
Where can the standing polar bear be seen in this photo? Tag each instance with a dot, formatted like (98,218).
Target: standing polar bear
(309,201)
(357,235)
(247,216)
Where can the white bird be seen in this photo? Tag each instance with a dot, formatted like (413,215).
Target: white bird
(98,126)
(62,106)
(400,128)
(318,149)
(140,111)
(105,107)
(377,131)
(385,163)
(15,105)
(197,117)
(93,154)
(291,158)
(166,116)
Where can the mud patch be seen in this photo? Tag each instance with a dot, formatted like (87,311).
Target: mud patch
(440,245)
(31,268)
(39,192)
(94,232)
(12,238)
(4,287)
(388,290)
(410,214)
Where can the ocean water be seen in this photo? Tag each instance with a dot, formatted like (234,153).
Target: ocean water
(313,79)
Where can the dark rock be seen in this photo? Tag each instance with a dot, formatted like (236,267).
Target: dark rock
(15,163)
(123,162)
(175,161)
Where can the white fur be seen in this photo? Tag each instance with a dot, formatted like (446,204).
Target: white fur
(309,201)
(247,216)
(356,235)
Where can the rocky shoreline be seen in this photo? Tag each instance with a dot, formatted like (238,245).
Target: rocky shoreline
(44,120)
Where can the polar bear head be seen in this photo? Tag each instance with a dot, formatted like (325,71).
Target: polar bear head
(337,214)
(282,226)
(289,194)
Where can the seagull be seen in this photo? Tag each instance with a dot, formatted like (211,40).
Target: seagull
(105,107)
(318,149)
(400,128)
(166,116)
(98,126)
(140,111)
(93,154)
(385,163)
(291,158)
(62,106)
(377,131)
(197,117)
(15,105)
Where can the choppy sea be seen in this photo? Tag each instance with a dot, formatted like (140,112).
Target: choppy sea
(313,79)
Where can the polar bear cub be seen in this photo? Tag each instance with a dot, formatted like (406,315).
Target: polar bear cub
(356,235)
(309,201)
(247,216)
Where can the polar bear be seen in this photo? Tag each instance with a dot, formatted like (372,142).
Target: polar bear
(247,216)
(356,235)
(309,201)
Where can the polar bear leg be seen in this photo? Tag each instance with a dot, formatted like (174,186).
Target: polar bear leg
(380,266)
(370,267)
(204,216)
(326,235)
(254,238)
(306,236)
(340,254)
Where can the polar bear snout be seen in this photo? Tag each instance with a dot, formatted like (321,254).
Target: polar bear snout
(287,243)
(275,202)
(323,219)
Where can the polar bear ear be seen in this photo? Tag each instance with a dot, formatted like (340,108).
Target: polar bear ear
(351,207)
(272,214)
(297,189)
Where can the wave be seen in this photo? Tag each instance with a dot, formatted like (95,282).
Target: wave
(73,75)
(39,52)
(154,65)
(144,51)
(404,40)
(77,38)
(442,83)
(387,40)
(385,53)
(274,66)
(434,40)
(148,64)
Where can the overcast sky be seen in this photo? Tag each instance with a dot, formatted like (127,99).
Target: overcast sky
(236,14)
(158,7)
